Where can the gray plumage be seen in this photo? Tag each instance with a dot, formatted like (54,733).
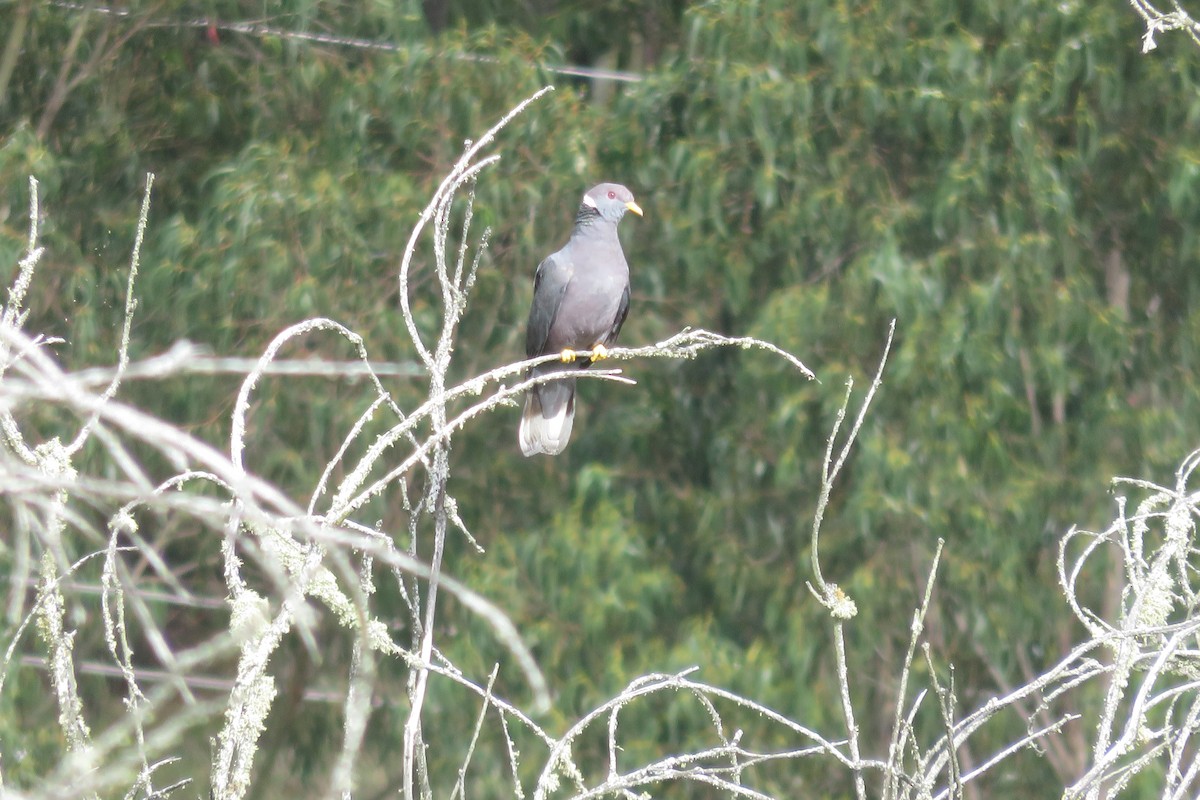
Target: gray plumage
(580,298)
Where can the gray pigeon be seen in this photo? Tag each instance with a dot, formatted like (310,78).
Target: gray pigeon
(580,297)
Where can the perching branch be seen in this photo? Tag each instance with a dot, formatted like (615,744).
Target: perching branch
(1157,21)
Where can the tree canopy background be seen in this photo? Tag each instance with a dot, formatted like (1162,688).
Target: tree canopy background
(1014,182)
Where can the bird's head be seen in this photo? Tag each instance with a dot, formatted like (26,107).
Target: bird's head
(611,201)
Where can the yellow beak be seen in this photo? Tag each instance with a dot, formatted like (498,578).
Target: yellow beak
(634,207)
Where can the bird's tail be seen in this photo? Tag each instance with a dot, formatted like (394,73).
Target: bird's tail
(547,419)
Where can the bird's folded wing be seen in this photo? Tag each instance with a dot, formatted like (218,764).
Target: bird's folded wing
(553,276)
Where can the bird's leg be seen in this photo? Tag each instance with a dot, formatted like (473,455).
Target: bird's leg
(567,356)
(599,351)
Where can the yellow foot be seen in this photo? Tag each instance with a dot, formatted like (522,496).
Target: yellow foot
(599,352)
(567,356)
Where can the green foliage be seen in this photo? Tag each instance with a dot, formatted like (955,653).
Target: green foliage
(29,751)
(1012,182)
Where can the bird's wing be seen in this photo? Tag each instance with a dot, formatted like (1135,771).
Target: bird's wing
(619,320)
(549,286)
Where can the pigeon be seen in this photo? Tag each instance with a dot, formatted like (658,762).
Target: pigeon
(580,298)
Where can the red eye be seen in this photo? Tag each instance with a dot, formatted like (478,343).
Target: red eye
(612,195)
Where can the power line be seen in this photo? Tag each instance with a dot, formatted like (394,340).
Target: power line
(262,30)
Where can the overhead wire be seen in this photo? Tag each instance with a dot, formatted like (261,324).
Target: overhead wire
(259,29)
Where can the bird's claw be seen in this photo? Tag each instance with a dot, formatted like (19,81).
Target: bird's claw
(599,352)
(567,356)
